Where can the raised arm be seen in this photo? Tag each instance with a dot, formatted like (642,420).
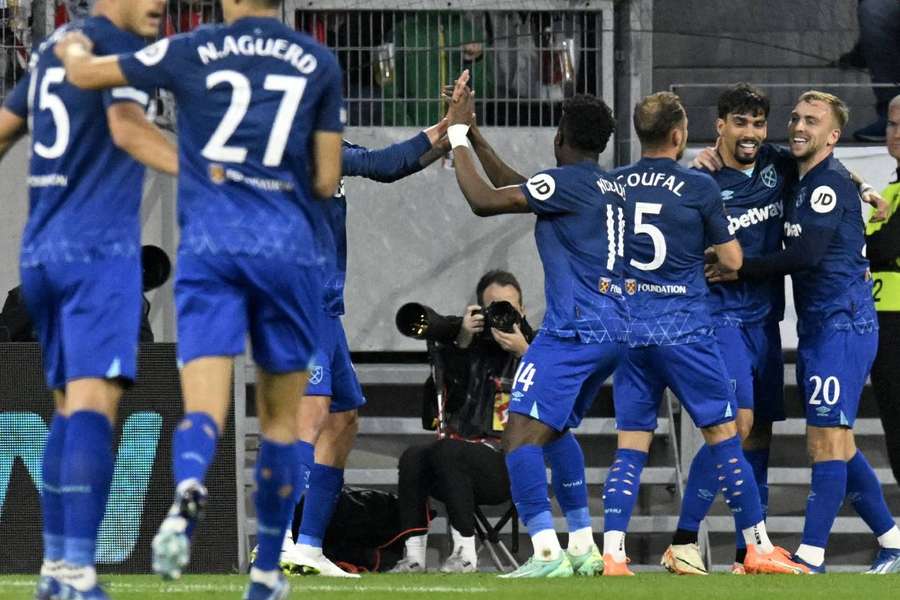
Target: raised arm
(397,160)
(484,199)
(500,173)
(85,70)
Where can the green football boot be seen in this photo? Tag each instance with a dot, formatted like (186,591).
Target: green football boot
(589,564)
(560,567)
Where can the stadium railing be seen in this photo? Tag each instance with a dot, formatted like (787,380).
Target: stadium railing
(409,429)
(385,436)
(525,57)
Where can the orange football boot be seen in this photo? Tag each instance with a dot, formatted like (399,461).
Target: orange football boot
(776,561)
(612,568)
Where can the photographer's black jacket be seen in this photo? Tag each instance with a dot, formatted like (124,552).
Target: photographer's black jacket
(478,381)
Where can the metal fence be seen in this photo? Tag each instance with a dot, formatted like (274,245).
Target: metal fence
(523,62)
(397,55)
(15,41)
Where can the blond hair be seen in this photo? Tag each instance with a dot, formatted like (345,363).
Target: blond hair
(656,115)
(838,107)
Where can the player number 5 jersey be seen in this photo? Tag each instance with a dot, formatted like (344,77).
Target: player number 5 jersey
(673,213)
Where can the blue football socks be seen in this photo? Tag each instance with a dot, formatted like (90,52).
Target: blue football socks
(86,475)
(528,486)
(307,454)
(569,486)
(621,488)
(322,496)
(864,491)
(826,494)
(759,462)
(734,476)
(194,447)
(276,473)
(51,495)
(699,491)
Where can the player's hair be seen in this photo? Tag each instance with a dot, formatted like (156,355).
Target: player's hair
(656,116)
(743,99)
(269,3)
(587,123)
(499,277)
(895,101)
(838,107)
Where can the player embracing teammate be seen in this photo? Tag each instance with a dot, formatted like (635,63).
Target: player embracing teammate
(824,251)
(81,272)
(674,213)
(260,122)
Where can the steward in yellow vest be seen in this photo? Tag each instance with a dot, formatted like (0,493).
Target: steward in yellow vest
(883,251)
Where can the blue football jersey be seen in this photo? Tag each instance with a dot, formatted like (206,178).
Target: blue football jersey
(672,214)
(84,192)
(840,285)
(579,233)
(250,97)
(755,209)
(385,165)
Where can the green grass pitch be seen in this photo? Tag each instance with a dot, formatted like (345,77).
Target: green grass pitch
(649,586)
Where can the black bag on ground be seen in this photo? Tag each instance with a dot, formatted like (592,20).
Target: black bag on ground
(364,532)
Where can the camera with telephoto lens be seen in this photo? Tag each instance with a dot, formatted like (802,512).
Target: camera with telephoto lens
(423,323)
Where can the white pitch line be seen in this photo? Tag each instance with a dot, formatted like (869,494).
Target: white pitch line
(191,588)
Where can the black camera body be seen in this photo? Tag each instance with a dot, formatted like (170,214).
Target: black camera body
(500,315)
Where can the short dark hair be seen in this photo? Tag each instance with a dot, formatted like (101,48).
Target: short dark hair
(586,123)
(743,99)
(269,3)
(499,277)
(656,116)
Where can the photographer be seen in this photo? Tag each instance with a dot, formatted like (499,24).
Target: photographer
(464,467)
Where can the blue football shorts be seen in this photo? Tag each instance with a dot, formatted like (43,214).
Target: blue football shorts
(87,317)
(755,366)
(832,367)
(558,379)
(696,374)
(220,298)
(332,373)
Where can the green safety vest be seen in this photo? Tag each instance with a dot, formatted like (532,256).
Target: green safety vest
(887,283)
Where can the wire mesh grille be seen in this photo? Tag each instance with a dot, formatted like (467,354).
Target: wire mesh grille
(523,63)
(15,41)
